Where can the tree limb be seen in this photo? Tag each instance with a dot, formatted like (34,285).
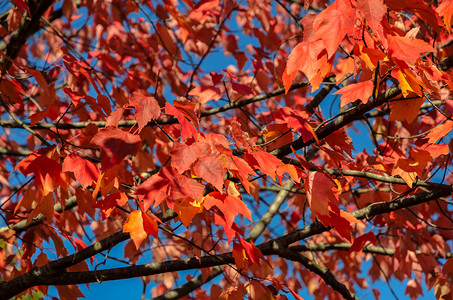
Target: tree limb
(343,119)
(51,273)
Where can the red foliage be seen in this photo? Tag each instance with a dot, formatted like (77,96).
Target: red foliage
(276,143)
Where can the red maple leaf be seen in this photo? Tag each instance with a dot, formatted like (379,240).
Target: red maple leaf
(265,162)
(245,253)
(320,191)
(84,170)
(115,144)
(359,242)
(212,170)
(373,11)
(146,108)
(153,191)
(21,6)
(445,10)
(183,155)
(48,175)
(229,205)
(187,129)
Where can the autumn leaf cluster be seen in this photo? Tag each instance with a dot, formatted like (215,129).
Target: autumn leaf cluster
(285,147)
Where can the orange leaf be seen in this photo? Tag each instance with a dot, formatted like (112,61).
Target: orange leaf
(294,172)
(405,170)
(344,67)
(109,203)
(267,163)
(296,121)
(206,93)
(183,156)
(304,58)
(84,170)
(47,171)
(153,191)
(407,49)
(333,23)
(340,220)
(405,109)
(187,211)
(69,292)
(277,135)
(439,132)
(187,108)
(436,150)
(245,253)
(445,10)
(340,141)
(240,256)
(356,91)
(256,290)
(420,9)
(139,225)
(288,78)
(187,129)
(370,57)
(374,11)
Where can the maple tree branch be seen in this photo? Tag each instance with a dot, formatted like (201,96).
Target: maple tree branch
(386,179)
(271,211)
(210,47)
(368,212)
(57,267)
(313,266)
(54,269)
(22,124)
(329,84)
(190,286)
(27,27)
(342,119)
(321,247)
(58,13)
(52,273)
(10,152)
(368,175)
(257,230)
(22,225)
(161,121)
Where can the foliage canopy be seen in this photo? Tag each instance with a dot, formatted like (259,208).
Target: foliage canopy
(226,136)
